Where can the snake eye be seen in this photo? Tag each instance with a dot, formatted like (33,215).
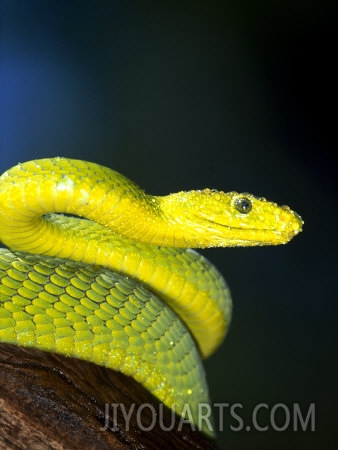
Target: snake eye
(243,205)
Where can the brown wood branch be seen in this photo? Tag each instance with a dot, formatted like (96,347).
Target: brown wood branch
(53,402)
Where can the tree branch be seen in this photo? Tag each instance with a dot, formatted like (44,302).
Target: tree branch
(53,402)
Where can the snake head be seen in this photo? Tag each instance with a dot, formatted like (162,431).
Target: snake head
(213,218)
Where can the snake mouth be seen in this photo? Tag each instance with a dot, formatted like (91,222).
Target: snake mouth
(254,236)
(250,236)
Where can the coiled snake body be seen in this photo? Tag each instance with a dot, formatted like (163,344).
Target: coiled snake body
(98,287)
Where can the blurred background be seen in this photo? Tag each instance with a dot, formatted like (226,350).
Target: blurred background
(227,95)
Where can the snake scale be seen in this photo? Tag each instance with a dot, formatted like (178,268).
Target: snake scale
(97,269)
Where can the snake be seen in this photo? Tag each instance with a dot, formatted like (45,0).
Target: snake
(95,268)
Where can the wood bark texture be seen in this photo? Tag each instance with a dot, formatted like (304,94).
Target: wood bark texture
(52,402)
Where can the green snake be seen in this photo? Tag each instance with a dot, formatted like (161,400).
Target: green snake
(99,270)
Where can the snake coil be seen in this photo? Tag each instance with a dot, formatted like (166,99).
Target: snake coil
(118,284)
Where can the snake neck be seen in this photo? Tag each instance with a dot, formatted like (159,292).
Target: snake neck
(200,219)
(30,191)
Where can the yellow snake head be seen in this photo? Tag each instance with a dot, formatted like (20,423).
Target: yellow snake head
(231,219)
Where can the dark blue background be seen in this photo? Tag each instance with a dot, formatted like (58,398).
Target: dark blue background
(179,97)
